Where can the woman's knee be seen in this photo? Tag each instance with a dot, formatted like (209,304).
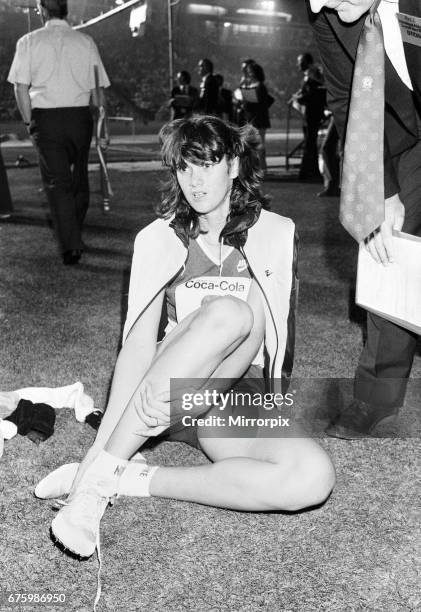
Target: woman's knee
(321,478)
(310,479)
(228,314)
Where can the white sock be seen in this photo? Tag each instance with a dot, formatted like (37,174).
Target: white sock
(106,470)
(108,464)
(136,479)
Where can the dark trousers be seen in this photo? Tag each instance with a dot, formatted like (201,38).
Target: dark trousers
(5,198)
(386,360)
(62,137)
(310,161)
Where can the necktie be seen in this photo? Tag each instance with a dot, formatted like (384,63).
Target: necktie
(362,189)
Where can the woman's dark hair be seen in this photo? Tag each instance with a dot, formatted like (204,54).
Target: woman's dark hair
(258,72)
(208,139)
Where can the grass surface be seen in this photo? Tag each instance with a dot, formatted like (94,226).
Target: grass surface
(360,551)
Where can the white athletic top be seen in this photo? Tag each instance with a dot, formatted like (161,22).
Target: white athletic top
(57,63)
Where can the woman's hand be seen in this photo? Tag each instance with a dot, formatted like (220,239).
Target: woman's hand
(153,410)
(380,244)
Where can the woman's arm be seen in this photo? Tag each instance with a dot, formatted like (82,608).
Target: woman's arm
(132,363)
(23,101)
(155,406)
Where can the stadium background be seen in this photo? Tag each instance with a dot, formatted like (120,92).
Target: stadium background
(273,33)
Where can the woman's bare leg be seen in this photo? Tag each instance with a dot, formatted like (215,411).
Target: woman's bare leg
(194,351)
(252,474)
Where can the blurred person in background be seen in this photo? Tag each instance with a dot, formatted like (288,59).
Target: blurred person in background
(312,98)
(54,80)
(225,108)
(331,156)
(209,88)
(253,102)
(184,97)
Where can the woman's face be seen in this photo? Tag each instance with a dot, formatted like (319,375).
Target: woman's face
(207,187)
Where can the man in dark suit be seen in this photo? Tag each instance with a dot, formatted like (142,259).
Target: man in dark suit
(312,98)
(386,360)
(184,97)
(209,88)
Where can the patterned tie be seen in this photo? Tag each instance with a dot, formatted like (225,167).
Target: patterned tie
(362,189)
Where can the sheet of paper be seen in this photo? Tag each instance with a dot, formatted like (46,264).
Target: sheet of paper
(393,291)
(249,94)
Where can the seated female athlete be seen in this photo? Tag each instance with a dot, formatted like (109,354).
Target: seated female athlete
(224,269)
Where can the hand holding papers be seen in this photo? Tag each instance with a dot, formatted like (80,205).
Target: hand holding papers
(393,291)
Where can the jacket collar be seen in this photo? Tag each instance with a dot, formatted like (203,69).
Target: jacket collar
(52,23)
(235,231)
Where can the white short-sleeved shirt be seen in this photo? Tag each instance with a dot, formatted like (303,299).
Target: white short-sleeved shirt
(57,63)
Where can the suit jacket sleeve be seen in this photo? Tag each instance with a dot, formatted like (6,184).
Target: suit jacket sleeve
(337,45)
(210,95)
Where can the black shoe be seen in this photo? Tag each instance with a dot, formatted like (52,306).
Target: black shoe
(70,258)
(359,420)
(94,419)
(329,192)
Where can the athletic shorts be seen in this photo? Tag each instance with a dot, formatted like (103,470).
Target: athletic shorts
(253,383)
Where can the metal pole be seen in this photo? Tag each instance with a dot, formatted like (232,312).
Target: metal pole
(170,47)
(287,137)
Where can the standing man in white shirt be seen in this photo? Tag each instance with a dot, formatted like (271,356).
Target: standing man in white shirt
(54,79)
(341,27)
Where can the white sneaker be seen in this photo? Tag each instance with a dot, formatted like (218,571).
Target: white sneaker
(76,525)
(59,481)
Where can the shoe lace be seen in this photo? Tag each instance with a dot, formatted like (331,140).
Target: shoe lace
(91,507)
(98,576)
